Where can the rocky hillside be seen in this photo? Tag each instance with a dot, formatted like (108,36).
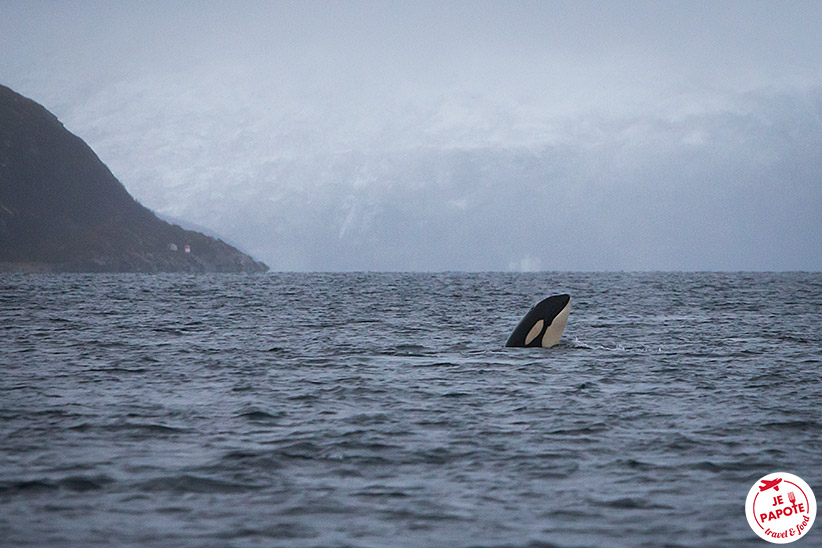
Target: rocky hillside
(62,210)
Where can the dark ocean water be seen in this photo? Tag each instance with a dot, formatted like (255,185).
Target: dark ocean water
(383,410)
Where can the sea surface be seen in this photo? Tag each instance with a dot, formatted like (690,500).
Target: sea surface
(372,410)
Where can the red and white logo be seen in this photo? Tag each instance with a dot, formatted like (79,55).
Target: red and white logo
(780,508)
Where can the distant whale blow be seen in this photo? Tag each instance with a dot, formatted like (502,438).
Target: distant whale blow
(543,324)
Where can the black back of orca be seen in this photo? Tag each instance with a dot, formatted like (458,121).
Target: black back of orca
(544,323)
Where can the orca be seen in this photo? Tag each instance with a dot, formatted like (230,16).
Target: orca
(544,323)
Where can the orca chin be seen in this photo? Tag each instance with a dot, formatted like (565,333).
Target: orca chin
(544,323)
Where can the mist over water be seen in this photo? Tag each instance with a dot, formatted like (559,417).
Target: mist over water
(375,409)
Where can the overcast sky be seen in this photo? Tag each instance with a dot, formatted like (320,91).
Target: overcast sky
(451,135)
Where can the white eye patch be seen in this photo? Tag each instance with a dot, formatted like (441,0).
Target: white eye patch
(535,331)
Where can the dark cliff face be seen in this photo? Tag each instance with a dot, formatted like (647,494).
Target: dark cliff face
(61,209)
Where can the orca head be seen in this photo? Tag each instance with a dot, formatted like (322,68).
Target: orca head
(543,324)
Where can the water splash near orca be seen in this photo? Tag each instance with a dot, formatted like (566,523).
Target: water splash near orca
(543,324)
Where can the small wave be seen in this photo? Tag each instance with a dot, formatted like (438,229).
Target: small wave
(438,455)
(276,531)
(187,483)
(301,450)
(245,461)
(154,428)
(240,455)
(57,319)
(79,484)
(766,379)
(139,428)
(798,425)
(368,419)
(708,466)
(632,503)
(795,338)
(85,483)
(550,468)
(587,429)
(639,465)
(170,330)
(382,492)
(258,415)
(27,486)
(440,364)
(137,370)
(307,397)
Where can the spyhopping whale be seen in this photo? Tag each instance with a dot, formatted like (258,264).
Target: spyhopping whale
(544,323)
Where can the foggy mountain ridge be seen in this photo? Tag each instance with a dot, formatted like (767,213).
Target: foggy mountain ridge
(511,189)
(61,209)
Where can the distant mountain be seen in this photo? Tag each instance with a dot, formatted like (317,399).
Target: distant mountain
(62,210)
